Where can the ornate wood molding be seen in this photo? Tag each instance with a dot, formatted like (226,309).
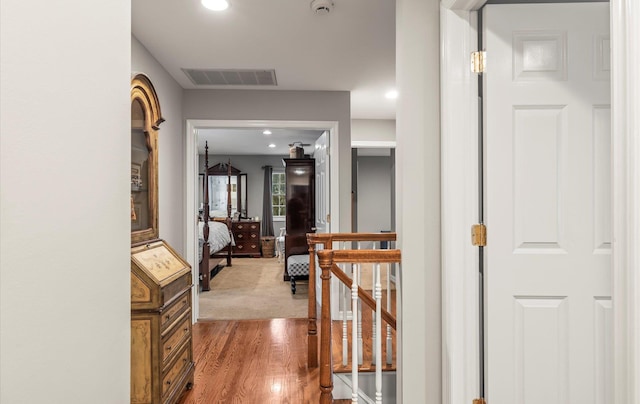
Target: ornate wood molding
(143,92)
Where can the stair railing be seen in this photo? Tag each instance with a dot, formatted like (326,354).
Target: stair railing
(326,241)
(329,261)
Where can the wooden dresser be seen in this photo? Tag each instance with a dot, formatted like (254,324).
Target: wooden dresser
(246,234)
(162,364)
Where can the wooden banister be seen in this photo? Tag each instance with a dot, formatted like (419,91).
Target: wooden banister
(326,241)
(328,259)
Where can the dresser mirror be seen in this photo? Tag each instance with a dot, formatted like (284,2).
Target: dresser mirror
(221,203)
(145,121)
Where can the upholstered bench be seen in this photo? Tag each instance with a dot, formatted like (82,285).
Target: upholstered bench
(297,265)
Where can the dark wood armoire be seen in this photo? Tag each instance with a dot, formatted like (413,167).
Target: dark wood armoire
(301,206)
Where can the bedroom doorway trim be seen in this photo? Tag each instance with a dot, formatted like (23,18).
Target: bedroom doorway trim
(191,178)
(459,200)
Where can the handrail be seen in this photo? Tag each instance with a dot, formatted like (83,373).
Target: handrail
(326,241)
(327,260)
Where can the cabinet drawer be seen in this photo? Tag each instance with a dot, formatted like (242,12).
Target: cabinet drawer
(175,309)
(246,248)
(247,236)
(246,226)
(174,340)
(172,375)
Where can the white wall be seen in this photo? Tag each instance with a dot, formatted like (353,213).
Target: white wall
(418,202)
(374,193)
(373,130)
(170,146)
(282,106)
(64,224)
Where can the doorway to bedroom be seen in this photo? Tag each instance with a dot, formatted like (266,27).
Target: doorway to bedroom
(252,287)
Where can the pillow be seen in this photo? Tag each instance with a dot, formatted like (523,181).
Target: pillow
(217,213)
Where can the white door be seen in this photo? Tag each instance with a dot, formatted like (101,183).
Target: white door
(547,131)
(321,155)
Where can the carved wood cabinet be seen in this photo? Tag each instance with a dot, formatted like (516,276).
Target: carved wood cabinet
(162,365)
(301,209)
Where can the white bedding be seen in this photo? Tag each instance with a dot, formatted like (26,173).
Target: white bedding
(219,237)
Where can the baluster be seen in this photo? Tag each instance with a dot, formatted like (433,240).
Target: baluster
(360,340)
(378,331)
(389,340)
(374,357)
(355,351)
(345,304)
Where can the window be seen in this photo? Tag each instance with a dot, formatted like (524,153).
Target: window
(278,194)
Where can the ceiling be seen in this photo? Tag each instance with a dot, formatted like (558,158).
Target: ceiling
(350,49)
(251,141)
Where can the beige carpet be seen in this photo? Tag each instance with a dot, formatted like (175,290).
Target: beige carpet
(253,289)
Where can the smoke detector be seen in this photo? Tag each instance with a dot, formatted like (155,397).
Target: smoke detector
(321,6)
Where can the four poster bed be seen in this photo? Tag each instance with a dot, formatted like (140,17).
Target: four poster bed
(214,234)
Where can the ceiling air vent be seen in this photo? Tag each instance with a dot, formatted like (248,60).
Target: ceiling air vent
(231,77)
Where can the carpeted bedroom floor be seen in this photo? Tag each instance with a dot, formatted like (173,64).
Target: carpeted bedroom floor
(253,289)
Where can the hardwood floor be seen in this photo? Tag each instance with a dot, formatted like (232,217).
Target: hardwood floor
(262,361)
(252,361)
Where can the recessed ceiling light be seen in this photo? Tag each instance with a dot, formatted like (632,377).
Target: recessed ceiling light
(272,145)
(266,132)
(391,94)
(215,5)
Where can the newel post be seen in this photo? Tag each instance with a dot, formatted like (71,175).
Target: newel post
(312,328)
(325,257)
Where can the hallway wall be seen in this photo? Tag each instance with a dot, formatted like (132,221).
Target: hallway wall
(171,151)
(418,201)
(64,226)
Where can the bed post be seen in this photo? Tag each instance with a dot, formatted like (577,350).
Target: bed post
(229,224)
(204,263)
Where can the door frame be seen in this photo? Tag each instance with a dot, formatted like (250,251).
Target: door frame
(459,153)
(191,180)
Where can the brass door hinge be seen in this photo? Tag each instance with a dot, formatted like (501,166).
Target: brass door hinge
(479,401)
(479,235)
(478,61)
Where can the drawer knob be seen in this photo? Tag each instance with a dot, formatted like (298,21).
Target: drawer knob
(168,382)
(167,317)
(169,348)
(186,329)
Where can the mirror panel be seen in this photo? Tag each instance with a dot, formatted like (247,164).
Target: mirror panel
(222,176)
(139,170)
(218,195)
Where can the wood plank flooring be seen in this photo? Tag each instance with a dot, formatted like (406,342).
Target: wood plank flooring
(252,361)
(262,361)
